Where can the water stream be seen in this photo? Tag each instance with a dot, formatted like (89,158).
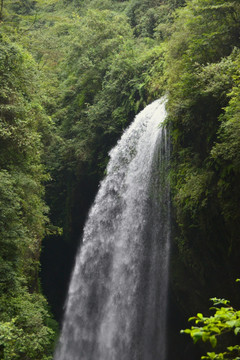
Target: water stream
(117,301)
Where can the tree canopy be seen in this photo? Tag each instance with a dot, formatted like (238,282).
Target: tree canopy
(73,74)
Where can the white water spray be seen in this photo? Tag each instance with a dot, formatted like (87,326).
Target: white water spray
(117,300)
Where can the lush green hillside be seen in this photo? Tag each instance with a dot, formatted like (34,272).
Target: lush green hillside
(202,70)
(203,82)
(25,325)
(73,75)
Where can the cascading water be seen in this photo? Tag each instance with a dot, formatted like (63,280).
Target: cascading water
(117,300)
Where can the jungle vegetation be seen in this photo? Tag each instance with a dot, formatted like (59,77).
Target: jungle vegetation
(73,73)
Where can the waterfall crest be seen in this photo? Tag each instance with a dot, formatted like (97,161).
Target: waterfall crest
(117,300)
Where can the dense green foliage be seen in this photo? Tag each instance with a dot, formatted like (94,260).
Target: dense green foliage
(203,82)
(73,74)
(225,320)
(24,320)
(202,68)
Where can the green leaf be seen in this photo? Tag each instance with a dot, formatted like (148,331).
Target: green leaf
(211,355)
(197,336)
(213,341)
(236,330)
(187,331)
(231,323)
(192,318)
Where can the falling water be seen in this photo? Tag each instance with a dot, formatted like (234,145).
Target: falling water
(117,300)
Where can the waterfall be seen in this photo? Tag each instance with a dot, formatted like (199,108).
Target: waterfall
(117,301)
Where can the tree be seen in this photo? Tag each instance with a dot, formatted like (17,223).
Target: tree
(202,86)
(224,320)
(26,330)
